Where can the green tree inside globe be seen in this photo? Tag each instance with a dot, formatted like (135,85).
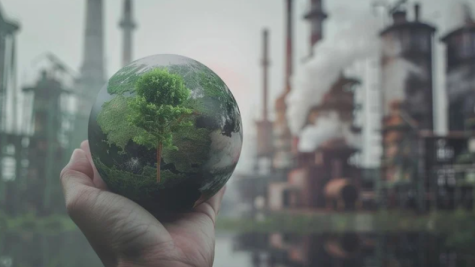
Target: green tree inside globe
(156,109)
(166,132)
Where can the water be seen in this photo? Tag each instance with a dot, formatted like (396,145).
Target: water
(346,249)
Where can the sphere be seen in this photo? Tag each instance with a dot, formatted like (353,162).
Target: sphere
(165,132)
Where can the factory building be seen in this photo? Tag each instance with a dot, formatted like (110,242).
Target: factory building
(34,148)
(460,55)
(45,148)
(422,170)
(419,169)
(12,145)
(407,58)
(325,177)
(407,97)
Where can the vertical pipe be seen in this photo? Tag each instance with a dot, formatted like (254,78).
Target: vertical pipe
(127,26)
(265,66)
(417,9)
(13,86)
(289,48)
(93,64)
(2,78)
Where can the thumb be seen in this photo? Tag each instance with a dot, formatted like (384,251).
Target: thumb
(76,178)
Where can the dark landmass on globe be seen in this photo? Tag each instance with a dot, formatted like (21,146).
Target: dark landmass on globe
(204,150)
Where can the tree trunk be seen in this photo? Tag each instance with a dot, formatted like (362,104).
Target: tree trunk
(159,159)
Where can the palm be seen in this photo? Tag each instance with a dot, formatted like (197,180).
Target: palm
(120,230)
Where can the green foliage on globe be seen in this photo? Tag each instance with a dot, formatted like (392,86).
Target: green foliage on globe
(165,132)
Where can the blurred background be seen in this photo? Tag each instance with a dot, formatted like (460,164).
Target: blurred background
(359,122)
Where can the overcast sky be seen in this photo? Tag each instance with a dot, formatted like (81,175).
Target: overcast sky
(223,34)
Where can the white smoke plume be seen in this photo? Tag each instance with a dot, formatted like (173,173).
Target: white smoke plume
(394,77)
(326,128)
(458,13)
(357,39)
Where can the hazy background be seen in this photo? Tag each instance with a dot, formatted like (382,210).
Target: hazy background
(223,34)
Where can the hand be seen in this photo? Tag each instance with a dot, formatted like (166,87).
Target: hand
(122,233)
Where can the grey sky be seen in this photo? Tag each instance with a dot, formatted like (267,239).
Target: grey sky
(223,34)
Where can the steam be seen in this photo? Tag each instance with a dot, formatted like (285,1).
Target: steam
(395,75)
(327,127)
(459,14)
(357,39)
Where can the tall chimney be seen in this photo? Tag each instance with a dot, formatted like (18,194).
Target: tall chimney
(315,16)
(289,48)
(417,11)
(265,69)
(93,61)
(92,75)
(127,25)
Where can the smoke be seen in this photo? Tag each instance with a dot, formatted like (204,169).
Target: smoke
(357,39)
(327,127)
(395,75)
(459,13)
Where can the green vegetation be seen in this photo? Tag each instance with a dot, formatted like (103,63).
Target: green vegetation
(112,122)
(157,109)
(138,187)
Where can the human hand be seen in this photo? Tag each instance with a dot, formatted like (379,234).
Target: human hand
(122,233)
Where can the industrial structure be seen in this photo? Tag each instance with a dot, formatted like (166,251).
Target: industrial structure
(92,76)
(283,141)
(419,170)
(34,148)
(461,76)
(315,16)
(264,126)
(127,25)
(45,149)
(324,178)
(11,141)
(407,48)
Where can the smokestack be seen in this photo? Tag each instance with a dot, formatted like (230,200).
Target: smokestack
(315,16)
(127,25)
(265,68)
(92,77)
(289,48)
(417,10)
(93,64)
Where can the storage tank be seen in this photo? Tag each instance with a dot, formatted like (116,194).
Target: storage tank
(406,66)
(460,69)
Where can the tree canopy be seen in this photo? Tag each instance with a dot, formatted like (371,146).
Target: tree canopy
(157,109)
